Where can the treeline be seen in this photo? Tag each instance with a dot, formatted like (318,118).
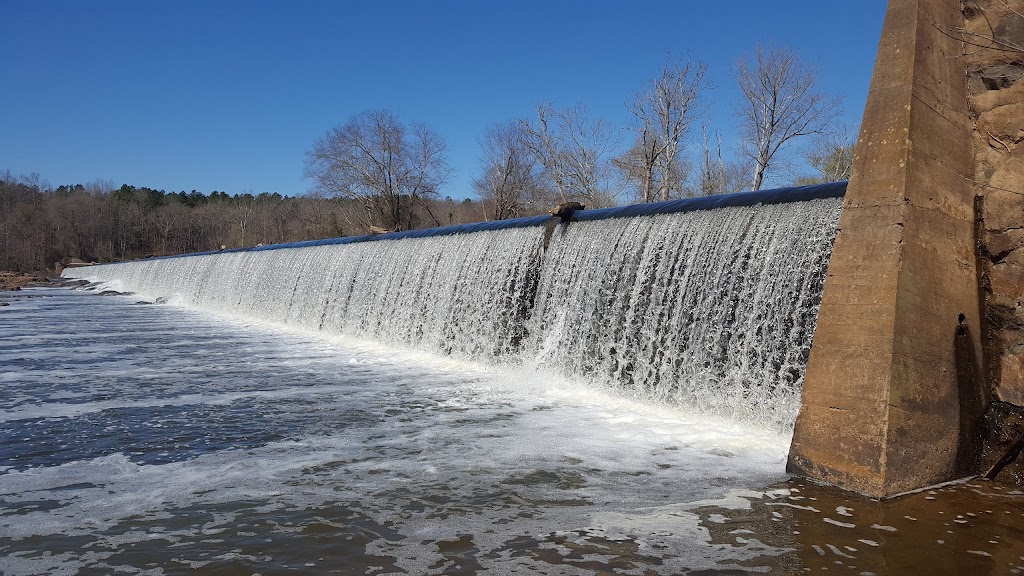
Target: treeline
(376,172)
(785,125)
(41,225)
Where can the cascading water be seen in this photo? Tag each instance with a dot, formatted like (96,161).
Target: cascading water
(711,309)
(465,295)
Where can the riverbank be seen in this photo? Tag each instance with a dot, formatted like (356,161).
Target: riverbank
(17,280)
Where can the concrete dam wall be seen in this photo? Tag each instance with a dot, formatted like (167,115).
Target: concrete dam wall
(708,303)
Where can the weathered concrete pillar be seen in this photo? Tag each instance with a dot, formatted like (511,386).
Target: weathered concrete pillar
(891,393)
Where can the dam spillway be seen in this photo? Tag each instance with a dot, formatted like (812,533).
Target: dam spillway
(707,303)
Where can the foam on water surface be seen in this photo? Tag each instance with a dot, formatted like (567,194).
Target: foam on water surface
(166,438)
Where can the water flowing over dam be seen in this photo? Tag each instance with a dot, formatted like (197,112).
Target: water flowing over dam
(704,303)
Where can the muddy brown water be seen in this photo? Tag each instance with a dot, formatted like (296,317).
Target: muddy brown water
(974,527)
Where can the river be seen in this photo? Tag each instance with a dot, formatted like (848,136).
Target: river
(138,438)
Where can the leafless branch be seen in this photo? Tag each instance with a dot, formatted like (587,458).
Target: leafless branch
(781,103)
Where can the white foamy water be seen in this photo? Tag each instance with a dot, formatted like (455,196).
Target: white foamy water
(155,439)
(710,310)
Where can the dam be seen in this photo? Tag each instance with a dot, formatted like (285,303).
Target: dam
(919,325)
(628,392)
(655,389)
(708,303)
(499,397)
(515,396)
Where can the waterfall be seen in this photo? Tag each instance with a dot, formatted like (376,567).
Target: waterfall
(713,309)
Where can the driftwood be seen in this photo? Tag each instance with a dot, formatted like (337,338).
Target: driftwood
(565,210)
(1008,457)
(378,230)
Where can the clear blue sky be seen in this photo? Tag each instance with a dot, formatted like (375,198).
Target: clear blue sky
(229,94)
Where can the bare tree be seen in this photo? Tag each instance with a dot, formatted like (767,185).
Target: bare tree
(719,175)
(245,206)
(780,103)
(165,222)
(664,110)
(509,177)
(573,147)
(831,154)
(638,163)
(712,171)
(386,165)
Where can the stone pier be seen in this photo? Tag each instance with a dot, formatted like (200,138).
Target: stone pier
(895,390)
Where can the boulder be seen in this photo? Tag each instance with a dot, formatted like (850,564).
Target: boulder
(1000,244)
(1004,123)
(994,78)
(1007,279)
(1004,210)
(1010,388)
(1004,427)
(991,99)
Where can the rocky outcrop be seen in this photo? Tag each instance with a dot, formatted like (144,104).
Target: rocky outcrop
(16,280)
(995,83)
(1003,430)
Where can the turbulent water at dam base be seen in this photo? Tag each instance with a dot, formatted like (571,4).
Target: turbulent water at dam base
(615,398)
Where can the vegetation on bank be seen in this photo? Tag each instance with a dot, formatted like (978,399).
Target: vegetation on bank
(41,225)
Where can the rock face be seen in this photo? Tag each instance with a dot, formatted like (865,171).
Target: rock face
(1004,426)
(995,72)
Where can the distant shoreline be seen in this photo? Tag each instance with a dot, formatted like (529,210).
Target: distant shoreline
(17,280)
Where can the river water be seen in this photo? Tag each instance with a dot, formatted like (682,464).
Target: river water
(154,439)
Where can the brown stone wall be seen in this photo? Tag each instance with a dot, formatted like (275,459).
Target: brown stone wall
(994,38)
(929,256)
(891,399)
